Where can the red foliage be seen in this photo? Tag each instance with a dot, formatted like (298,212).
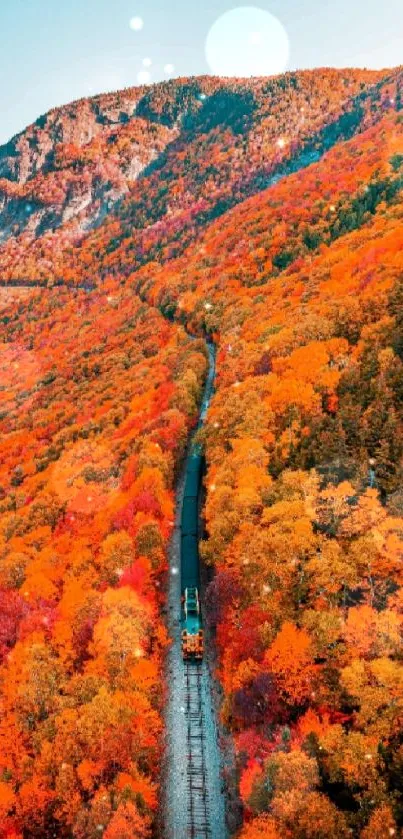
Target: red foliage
(298,281)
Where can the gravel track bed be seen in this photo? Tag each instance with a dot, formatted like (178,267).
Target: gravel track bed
(175,803)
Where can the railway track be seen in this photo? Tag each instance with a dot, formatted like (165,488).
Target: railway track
(194,795)
(198,809)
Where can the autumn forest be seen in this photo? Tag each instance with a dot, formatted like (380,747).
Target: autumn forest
(264,217)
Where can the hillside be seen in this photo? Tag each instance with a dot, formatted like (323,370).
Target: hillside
(269,218)
(98,395)
(75,163)
(211,143)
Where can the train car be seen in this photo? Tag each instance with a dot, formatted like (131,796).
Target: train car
(192,628)
(190,561)
(192,484)
(190,516)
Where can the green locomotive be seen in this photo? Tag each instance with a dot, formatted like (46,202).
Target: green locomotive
(192,628)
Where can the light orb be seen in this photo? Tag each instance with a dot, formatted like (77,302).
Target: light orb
(136,23)
(247,41)
(144,77)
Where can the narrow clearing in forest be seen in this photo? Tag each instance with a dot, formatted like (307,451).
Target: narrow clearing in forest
(194,801)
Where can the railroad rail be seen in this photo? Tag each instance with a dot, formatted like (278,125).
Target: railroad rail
(199,825)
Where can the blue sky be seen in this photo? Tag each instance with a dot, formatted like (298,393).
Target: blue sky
(54,52)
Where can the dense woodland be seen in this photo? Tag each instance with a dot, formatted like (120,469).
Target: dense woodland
(98,398)
(298,280)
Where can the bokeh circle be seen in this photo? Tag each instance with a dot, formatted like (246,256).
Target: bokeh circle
(247,41)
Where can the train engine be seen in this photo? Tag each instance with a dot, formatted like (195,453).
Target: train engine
(192,633)
(192,627)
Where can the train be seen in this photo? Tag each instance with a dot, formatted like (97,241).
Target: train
(192,625)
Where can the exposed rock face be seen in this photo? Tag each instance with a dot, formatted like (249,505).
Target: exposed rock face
(75,162)
(79,123)
(159,163)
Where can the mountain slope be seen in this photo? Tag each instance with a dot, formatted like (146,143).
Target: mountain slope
(289,256)
(75,163)
(98,396)
(212,142)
